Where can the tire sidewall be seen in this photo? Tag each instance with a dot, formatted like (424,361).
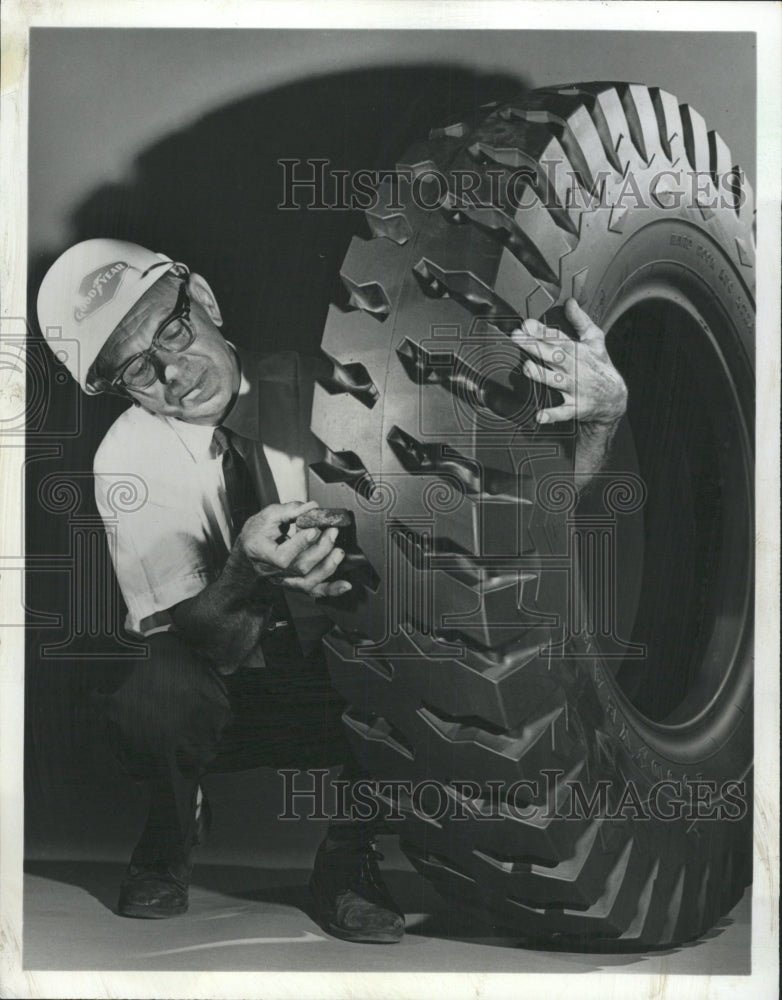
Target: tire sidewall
(622,268)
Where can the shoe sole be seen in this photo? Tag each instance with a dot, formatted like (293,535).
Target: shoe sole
(150,913)
(344,935)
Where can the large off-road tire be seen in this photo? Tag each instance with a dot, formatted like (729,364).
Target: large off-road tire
(499,630)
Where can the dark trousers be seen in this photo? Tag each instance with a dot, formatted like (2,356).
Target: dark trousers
(174,719)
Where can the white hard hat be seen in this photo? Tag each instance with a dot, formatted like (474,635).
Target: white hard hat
(88,291)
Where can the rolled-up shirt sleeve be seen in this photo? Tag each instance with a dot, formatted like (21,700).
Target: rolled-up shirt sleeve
(162,546)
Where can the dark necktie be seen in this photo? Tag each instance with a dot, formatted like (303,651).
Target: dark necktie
(239,489)
(243,502)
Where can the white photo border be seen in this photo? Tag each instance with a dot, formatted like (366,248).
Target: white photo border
(765,19)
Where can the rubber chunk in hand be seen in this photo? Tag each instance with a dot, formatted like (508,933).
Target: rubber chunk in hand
(325,517)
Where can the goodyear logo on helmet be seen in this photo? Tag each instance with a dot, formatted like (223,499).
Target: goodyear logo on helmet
(99,287)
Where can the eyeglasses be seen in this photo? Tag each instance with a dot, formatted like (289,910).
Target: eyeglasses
(173,336)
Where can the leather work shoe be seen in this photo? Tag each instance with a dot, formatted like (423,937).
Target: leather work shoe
(154,892)
(160,889)
(352,901)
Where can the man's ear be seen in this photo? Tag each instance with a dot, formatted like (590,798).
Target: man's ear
(200,291)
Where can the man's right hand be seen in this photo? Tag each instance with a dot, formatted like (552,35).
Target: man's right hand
(300,560)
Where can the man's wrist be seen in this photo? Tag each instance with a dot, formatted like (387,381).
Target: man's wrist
(241,579)
(239,572)
(597,429)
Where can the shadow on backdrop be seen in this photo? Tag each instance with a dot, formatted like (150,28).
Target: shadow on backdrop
(206,195)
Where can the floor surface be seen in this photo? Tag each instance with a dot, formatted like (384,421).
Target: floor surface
(249,910)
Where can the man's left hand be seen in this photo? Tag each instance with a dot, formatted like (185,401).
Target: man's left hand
(593,390)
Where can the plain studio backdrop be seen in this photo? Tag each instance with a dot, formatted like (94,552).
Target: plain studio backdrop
(171,138)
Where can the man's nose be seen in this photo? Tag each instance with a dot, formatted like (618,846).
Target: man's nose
(171,368)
